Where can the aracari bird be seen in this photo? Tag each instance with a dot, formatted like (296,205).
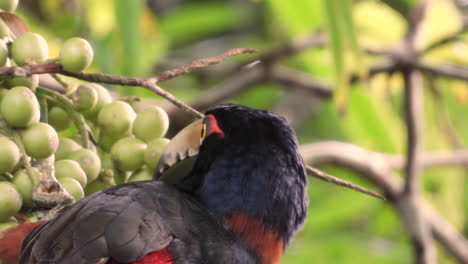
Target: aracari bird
(229,188)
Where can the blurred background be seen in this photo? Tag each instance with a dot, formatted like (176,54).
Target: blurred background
(331,67)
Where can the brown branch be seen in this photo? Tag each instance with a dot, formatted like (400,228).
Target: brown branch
(340,182)
(446,40)
(375,168)
(409,200)
(167,75)
(148,83)
(433,159)
(414,121)
(444,70)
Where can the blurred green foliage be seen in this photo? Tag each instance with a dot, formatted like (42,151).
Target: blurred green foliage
(140,38)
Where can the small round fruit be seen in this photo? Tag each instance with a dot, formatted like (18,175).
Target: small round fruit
(29,49)
(25,185)
(30,82)
(40,140)
(8,5)
(106,142)
(151,123)
(3,53)
(153,152)
(10,201)
(89,161)
(65,147)
(9,156)
(73,187)
(59,119)
(19,107)
(4,29)
(96,186)
(116,118)
(104,98)
(76,54)
(70,169)
(128,153)
(141,175)
(85,97)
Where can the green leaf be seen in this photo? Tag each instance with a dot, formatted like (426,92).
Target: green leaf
(335,13)
(128,15)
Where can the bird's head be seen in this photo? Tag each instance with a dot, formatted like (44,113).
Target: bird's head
(243,164)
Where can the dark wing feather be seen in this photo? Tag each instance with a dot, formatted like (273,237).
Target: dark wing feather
(128,221)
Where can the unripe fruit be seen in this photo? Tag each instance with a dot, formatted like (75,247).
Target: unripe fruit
(3,53)
(72,187)
(104,98)
(76,54)
(85,98)
(30,82)
(128,153)
(154,150)
(40,140)
(8,5)
(106,142)
(25,185)
(70,169)
(10,201)
(65,148)
(151,123)
(4,29)
(96,186)
(29,49)
(89,161)
(9,154)
(116,119)
(141,175)
(59,119)
(19,107)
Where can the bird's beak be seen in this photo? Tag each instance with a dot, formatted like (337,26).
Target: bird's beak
(179,156)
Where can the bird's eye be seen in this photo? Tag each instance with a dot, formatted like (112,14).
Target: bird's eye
(203,131)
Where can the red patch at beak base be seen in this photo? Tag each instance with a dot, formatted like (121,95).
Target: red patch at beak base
(212,126)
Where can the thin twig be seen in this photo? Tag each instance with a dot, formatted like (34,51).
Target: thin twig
(148,83)
(340,182)
(167,75)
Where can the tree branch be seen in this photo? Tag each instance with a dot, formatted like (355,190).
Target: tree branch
(375,168)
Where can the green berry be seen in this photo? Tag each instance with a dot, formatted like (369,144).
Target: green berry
(8,5)
(59,119)
(25,185)
(10,201)
(151,123)
(70,169)
(73,187)
(154,151)
(29,49)
(128,154)
(19,107)
(142,175)
(104,98)
(76,54)
(30,82)
(85,98)
(3,53)
(9,156)
(116,119)
(40,140)
(66,147)
(89,161)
